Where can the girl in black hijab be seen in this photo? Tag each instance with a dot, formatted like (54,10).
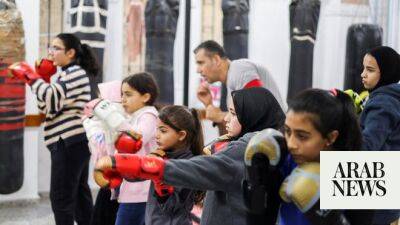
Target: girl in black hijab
(380,119)
(257,109)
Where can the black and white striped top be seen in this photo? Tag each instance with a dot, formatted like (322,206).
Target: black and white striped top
(63,101)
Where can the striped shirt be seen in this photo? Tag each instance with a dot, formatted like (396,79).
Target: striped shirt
(62,101)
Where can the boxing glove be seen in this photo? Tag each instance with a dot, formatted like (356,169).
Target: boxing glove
(45,68)
(88,109)
(162,190)
(217,145)
(24,72)
(302,187)
(109,113)
(358,100)
(105,175)
(128,142)
(264,154)
(132,166)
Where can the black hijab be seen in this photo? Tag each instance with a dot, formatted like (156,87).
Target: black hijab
(389,65)
(257,109)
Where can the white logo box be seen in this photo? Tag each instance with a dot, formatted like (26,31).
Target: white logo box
(329,166)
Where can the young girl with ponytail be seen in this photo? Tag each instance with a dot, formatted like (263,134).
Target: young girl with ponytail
(63,101)
(179,136)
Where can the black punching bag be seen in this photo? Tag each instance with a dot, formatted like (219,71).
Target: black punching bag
(161,17)
(12,100)
(88,23)
(235,34)
(360,38)
(304,15)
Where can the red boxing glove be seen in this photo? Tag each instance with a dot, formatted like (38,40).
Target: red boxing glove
(128,142)
(104,174)
(132,166)
(129,166)
(24,71)
(162,190)
(45,68)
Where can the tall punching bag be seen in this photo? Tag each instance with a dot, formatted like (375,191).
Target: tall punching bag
(235,27)
(12,100)
(304,16)
(360,38)
(88,22)
(161,17)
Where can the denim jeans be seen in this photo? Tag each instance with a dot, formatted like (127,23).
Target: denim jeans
(131,213)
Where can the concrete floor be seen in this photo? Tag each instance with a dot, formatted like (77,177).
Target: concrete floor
(33,212)
(37,212)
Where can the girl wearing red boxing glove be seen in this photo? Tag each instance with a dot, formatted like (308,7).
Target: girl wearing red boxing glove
(138,94)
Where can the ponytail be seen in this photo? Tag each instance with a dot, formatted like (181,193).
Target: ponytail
(350,134)
(180,118)
(84,55)
(197,149)
(88,60)
(198,140)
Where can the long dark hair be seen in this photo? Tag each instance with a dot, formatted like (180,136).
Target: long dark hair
(84,55)
(330,110)
(180,118)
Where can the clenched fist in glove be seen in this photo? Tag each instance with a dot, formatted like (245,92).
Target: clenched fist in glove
(128,142)
(264,154)
(105,175)
(131,166)
(302,188)
(109,113)
(45,68)
(358,99)
(24,71)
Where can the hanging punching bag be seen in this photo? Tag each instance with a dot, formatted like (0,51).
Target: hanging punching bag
(236,28)
(304,16)
(88,22)
(360,38)
(235,25)
(12,100)
(161,17)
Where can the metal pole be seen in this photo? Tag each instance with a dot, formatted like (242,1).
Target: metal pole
(187,53)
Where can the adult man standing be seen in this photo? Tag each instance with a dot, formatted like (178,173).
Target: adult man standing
(213,65)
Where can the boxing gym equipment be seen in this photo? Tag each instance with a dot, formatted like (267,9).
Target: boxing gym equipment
(12,100)
(161,18)
(90,30)
(235,27)
(264,154)
(304,16)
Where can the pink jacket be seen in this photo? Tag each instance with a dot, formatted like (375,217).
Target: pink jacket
(143,121)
